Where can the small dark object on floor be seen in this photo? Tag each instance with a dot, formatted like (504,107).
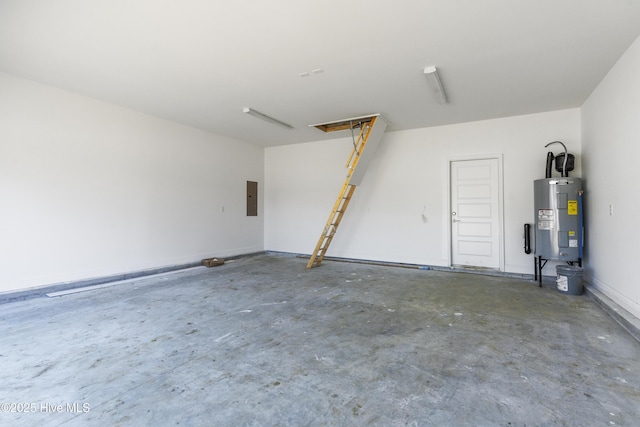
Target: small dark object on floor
(212,262)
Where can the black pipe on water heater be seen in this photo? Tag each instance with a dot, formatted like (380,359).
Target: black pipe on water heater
(550,158)
(527,239)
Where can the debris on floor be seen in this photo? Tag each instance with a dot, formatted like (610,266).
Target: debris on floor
(212,262)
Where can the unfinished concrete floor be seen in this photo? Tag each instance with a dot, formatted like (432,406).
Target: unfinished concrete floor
(262,341)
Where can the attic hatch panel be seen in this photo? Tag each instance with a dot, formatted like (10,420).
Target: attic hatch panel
(344,124)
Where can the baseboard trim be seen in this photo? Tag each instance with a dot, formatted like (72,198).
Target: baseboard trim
(623,317)
(42,291)
(484,272)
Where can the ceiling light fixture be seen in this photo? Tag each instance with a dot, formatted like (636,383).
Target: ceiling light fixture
(315,71)
(266,118)
(436,83)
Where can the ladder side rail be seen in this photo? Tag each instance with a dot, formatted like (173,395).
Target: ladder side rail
(330,221)
(325,240)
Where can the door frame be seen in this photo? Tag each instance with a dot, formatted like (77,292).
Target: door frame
(447,210)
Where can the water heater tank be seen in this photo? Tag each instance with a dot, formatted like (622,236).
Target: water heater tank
(558,226)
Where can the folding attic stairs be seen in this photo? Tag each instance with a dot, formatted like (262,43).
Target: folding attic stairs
(371,130)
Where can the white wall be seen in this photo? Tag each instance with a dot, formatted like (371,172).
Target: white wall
(89,189)
(409,176)
(611,146)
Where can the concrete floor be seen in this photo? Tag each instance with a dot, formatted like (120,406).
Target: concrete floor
(262,341)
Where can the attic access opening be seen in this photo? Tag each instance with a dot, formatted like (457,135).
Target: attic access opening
(346,124)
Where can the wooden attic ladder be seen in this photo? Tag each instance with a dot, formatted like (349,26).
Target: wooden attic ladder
(371,130)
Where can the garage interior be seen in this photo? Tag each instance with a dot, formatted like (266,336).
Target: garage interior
(139,138)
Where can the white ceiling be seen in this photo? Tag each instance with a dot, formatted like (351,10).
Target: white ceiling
(199,62)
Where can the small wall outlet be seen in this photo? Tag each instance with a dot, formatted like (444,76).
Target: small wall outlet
(610,210)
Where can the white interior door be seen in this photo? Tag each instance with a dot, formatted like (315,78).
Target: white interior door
(475,213)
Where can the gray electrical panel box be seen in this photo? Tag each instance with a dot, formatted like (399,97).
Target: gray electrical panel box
(558,218)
